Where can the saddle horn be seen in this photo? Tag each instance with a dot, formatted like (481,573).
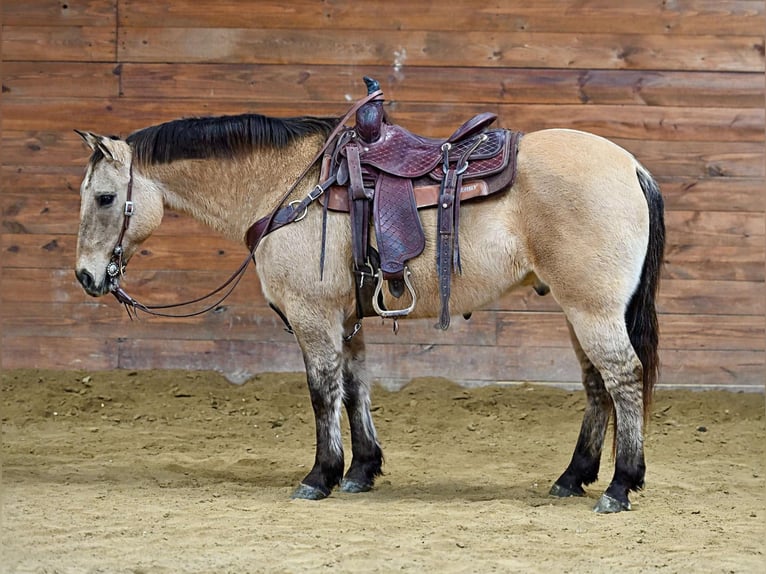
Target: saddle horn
(371,115)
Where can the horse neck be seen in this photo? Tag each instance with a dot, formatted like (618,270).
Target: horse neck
(229,195)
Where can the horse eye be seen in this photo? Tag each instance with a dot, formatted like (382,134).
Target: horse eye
(105,200)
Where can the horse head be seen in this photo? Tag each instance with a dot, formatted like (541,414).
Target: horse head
(119,209)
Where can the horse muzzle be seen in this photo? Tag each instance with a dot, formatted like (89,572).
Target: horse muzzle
(89,284)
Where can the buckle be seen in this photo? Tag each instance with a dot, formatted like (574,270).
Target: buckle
(130,208)
(316,192)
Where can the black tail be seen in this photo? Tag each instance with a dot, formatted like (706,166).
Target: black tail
(641,314)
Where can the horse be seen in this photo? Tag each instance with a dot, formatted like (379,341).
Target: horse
(583,219)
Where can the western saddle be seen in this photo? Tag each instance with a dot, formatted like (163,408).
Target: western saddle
(381,174)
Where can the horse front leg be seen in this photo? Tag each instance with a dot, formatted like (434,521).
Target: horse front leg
(586,459)
(367,458)
(323,359)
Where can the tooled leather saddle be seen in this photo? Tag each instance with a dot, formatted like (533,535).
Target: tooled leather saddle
(384,174)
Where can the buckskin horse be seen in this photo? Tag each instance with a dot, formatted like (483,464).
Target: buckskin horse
(565,211)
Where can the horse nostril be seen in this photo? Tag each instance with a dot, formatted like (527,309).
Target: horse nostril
(85,279)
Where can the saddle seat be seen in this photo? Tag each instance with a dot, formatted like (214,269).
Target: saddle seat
(401,153)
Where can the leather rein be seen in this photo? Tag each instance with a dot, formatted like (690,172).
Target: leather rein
(278,217)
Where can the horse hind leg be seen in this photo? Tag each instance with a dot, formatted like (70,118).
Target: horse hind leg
(367,456)
(584,466)
(604,340)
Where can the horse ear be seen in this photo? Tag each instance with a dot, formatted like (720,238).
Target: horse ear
(89,138)
(114,149)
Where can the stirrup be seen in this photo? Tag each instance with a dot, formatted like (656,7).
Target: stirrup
(393,313)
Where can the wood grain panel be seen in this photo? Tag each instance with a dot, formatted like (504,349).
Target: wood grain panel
(712,297)
(570,16)
(242,322)
(714,369)
(59,353)
(717,194)
(56,13)
(464,85)
(229,357)
(678,84)
(725,263)
(437,48)
(60,80)
(678,331)
(59,43)
(698,159)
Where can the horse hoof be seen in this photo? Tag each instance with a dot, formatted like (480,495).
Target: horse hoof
(354,487)
(563,492)
(608,505)
(306,492)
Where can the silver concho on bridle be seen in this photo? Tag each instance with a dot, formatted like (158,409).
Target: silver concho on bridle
(115,267)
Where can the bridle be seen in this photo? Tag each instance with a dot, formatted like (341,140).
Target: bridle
(280,216)
(116,269)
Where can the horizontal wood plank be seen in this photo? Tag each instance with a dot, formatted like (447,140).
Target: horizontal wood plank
(715,194)
(625,122)
(60,80)
(570,16)
(289,82)
(58,353)
(59,43)
(715,332)
(57,13)
(698,159)
(440,48)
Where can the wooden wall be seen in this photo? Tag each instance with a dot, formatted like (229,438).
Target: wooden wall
(680,84)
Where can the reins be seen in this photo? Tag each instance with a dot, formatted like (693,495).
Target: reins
(277,218)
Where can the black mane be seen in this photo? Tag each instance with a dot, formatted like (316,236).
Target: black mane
(221,137)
